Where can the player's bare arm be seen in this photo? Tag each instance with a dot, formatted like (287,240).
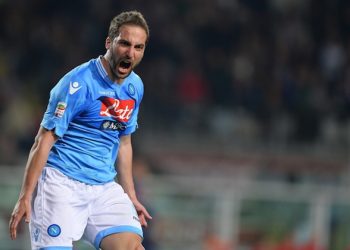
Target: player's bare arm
(36,161)
(125,177)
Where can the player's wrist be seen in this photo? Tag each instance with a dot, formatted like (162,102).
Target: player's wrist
(133,199)
(25,196)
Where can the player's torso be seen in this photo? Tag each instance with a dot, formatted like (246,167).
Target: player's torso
(108,110)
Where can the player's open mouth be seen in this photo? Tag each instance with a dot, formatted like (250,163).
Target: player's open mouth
(124,66)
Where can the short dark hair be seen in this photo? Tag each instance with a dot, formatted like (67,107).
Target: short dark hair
(127,17)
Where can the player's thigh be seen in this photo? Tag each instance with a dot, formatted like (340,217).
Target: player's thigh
(122,241)
(57,218)
(111,213)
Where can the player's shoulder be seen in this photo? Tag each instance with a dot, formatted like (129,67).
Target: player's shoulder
(80,75)
(82,72)
(134,86)
(76,82)
(136,80)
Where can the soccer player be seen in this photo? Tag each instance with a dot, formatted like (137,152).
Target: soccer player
(68,189)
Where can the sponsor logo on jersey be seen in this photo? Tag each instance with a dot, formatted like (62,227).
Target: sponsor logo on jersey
(120,110)
(54,230)
(73,87)
(60,108)
(113,125)
(107,93)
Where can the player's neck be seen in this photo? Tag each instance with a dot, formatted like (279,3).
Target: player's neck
(113,77)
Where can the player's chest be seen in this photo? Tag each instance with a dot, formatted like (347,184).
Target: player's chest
(111,106)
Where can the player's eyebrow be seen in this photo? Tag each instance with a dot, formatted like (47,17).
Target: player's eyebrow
(124,42)
(127,43)
(140,46)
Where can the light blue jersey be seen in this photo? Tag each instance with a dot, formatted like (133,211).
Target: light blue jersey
(89,113)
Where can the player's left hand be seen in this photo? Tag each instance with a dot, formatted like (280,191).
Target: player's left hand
(142,213)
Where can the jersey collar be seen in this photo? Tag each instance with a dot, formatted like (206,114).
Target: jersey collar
(101,70)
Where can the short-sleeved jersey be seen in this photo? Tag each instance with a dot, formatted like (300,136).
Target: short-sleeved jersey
(89,113)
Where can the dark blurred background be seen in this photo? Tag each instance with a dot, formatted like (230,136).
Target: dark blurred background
(258,89)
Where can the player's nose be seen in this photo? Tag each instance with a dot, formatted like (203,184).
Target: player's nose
(130,52)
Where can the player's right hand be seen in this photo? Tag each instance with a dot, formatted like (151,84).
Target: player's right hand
(22,209)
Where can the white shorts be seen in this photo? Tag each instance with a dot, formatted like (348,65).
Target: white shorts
(65,210)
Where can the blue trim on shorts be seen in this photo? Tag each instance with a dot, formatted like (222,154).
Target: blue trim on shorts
(56,248)
(114,230)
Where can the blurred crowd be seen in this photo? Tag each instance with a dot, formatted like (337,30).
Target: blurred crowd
(275,71)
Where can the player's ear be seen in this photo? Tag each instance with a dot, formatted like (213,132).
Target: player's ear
(108,42)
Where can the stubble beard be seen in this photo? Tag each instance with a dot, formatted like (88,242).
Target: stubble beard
(113,67)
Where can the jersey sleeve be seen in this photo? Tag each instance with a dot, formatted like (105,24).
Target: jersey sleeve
(67,99)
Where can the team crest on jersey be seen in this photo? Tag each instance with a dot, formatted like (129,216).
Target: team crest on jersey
(54,230)
(131,89)
(119,110)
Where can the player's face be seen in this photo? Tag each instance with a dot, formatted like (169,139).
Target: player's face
(126,50)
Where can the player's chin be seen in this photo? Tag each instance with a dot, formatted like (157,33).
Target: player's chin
(124,73)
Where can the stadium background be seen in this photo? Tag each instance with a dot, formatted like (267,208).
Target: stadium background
(244,130)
